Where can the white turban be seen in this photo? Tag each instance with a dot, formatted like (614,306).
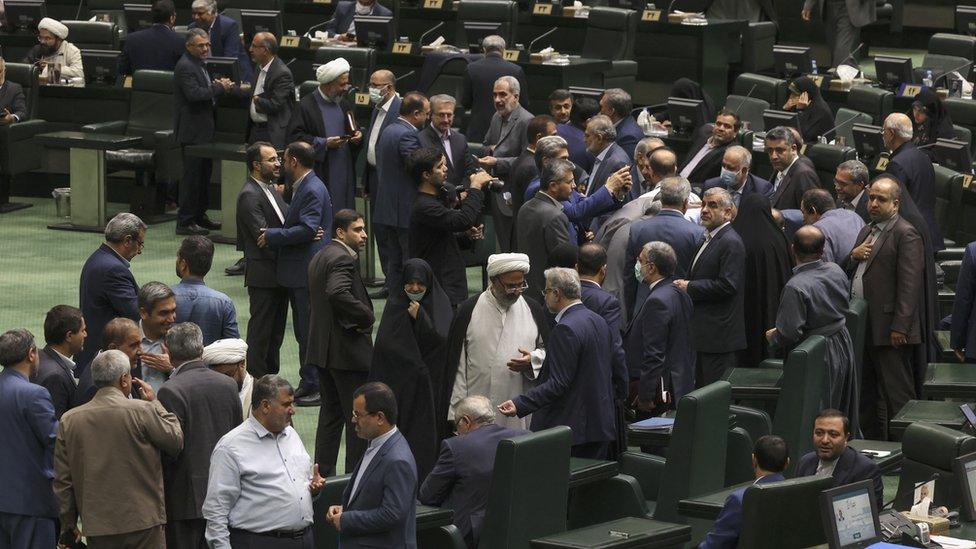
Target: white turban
(330,71)
(507,263)
(225,351)
(56,28)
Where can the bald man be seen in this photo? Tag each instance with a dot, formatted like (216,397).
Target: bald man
(386,106)
(272,93)
(913,168)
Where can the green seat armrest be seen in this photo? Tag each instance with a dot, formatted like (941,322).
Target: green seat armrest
(772,363)
(646,468)
(114,126)
(167,137)
(19,131)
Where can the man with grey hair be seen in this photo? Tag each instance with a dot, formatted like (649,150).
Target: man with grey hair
(157,314)
(223,32)
(111,446)
(850,182)
(107,288)
(576,385)
(207,401)
(599,136)
(641,154)
(658,341)
(479,77)
(715,284)
(617,104)
(913,168)
(735,176)
(453,144)
(28,425)
(386,108)
(462,475)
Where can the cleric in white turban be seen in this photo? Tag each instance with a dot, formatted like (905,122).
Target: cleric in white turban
(229,357)
(496,342)
(322,124)
(53,50)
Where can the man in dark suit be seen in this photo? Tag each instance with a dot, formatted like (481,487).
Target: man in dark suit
(886,269)
(195,99)
(296,242)
(542,225)
(339,336)
(705,156)
(792,177)
(64,332)
(28,511)
(832,456)
(107,288)
(224,34)
(342,19)
(658,345)
(770,457)
(272,93)
(13,104)
(395,190)
(260,207)
(378,506)
(454,145)
(577,384)
(524,169)
(842,23)
(461,477)
(617,104)
(850,182)
(157,48)
(715,284)
(479,81)
(208,407)
(963,332)
(386,109)
(913,168)
(735,177)
(600,135)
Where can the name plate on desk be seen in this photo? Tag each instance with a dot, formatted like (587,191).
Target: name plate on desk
(326,2)
(290,41)
(909,90)
(433,4)
(967,180)
(403,48)
(882,164)
(512,55)
(546,8)
(362,99)
(651,15)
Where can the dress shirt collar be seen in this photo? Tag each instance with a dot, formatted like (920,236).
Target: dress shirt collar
(267,66)
(11,371)
(652,285)
(443,136)
(385,107)
(603,153)
(857,199)
(145,338)
(787,170)
(192,281)
(713,232)
(261,431)
(348,248)
(378,442)
(554,201)
(880,226)
(593,282)
(808,265)
(741,187)
(67,360)
(560,314)
(117,254)
(323,96)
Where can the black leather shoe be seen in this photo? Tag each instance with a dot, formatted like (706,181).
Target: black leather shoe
(210,224)
(313,399)
(383,293)
(192,228)
(236,269)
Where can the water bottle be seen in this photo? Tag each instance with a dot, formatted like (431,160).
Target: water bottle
(927,81)
(813,66)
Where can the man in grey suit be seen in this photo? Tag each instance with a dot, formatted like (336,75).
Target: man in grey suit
(462,475)
(541,223)
(378,506)
(208,407)
(600,136)
(842,22)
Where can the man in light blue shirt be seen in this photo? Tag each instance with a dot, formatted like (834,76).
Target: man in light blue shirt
(157,313)
(196,302)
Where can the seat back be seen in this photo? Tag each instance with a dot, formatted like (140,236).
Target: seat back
(488,11)
(857,327)
(151,105)
(958,45)
(947,206)
(801,393)
(610,33)
(845,120)
(738,457)
(784,515)
(529,489)
(939,64)
(361,60)
(324,533)
(758,40)
(768,88)
(930,449)
(26,75)
(826,158)
(697,449)
(749,109)
(964,134)
(93,35)
(450,80)
(307,87)
(876,102)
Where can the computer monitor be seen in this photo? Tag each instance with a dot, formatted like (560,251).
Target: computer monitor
(850,515)
(686,115)
(868,141)
(953,154)
(375,31)
(788,119)
(477,31)
(964,468)
(966,20)
(792,61)
(893,71)
(223,67)
(23,15)
(137,16)
(101,67)
(255,21)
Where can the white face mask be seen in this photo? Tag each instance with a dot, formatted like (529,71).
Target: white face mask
(363,10)
(375,95)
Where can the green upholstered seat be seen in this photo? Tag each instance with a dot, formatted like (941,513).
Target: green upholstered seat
(945,349)
(958,45)
(946,380)
(749,109)
(488,11)
(826,158)
(738,456)
(758,39)
(93,35)
(940,63)
(845,120)
(307,87)
(610,34)
(362,62)
(324,533)
(767,88)
(948,203)
(18,152)
(529,489)
(783,515)
(802,391)
(930,449)
(962,112)
(937,412)
(625,532)
(756,422)
(876,102)
(583,471)
(951,270)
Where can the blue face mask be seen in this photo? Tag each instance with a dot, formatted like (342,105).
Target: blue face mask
(638,272)
(416,296)
(728,178)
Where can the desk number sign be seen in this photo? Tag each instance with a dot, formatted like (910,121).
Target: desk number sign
(403,48)
(909,90)
(433,4)
(290,41)
(512,55)
(967,180)
(326,2)
(362,99)
(542,8)
(651,15)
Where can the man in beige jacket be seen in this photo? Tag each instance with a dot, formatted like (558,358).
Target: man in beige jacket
(107,461)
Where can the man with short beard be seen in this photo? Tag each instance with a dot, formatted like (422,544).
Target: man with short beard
(54,49)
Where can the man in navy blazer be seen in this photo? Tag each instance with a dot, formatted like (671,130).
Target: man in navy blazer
(912,167)
(107,288)
(658,346)
(591,264)
(156,48)
(296,242)
(28,511)
(963,331)
(386,108)
(832,456)
(224,32)
(378,505)
(770,457)
(64,332)
(735,176)
(617,104)
(342,19)
(600,135)
(461,477)
(395,189)
(576,385)
(715,286)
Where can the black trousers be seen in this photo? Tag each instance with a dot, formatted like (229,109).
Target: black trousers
(242,539)
(336,388)
(393,245)
(186,534)
(886,386)
(300,312)
(25,532)
(710,367)
(194,193)
(266,330)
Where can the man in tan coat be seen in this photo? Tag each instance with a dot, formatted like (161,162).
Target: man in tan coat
(107,461)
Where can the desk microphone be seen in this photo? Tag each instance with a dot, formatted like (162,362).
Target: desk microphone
(747,96)
(404,75)
(950,71)
(852,58)
(935,476)
(841,125)
(318,26)
(670,7)
(78,13)
(428,31)
(540,37)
